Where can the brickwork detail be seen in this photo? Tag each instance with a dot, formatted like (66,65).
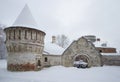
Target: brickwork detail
(106,50)
(21,67)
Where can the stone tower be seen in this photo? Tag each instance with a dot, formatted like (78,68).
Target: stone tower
(24,43)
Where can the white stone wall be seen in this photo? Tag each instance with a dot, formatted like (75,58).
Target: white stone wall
(21,58)
(111,60)
(53,60)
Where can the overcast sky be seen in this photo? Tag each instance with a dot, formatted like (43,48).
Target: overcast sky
(74,18)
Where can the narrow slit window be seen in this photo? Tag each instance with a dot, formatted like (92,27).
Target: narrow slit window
(36,35)
(9,35)
(19,34)
(25,34)
(14,34)
(31,35)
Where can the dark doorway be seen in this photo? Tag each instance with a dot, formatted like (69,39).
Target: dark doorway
(39,63)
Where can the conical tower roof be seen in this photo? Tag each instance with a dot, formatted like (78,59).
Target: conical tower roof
(25,18)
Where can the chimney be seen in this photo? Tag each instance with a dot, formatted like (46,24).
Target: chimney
(53,39)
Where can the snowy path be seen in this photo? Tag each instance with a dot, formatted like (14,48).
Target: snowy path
(62,74)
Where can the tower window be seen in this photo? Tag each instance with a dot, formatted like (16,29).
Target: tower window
(14,34)
(9,35)
(36,35)
(46,59)
(31,35)
(25,34)
(19,34)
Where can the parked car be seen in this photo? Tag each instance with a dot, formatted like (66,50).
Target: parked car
(80,64)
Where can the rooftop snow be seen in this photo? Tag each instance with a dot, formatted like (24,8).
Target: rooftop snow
(25,18)
(53,49)
(102,44)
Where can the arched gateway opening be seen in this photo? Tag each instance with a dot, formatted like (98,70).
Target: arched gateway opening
(81,61)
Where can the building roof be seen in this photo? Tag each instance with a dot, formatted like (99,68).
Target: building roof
(53,49)
(25,18)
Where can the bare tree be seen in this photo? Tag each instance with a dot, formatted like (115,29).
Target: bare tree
(62,41)
(3,51)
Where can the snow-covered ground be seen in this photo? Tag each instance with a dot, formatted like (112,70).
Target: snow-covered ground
(62,74)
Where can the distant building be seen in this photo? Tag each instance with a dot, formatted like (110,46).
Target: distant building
(109,54)
(102,47)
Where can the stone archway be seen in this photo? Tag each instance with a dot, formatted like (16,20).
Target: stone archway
(83,59)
